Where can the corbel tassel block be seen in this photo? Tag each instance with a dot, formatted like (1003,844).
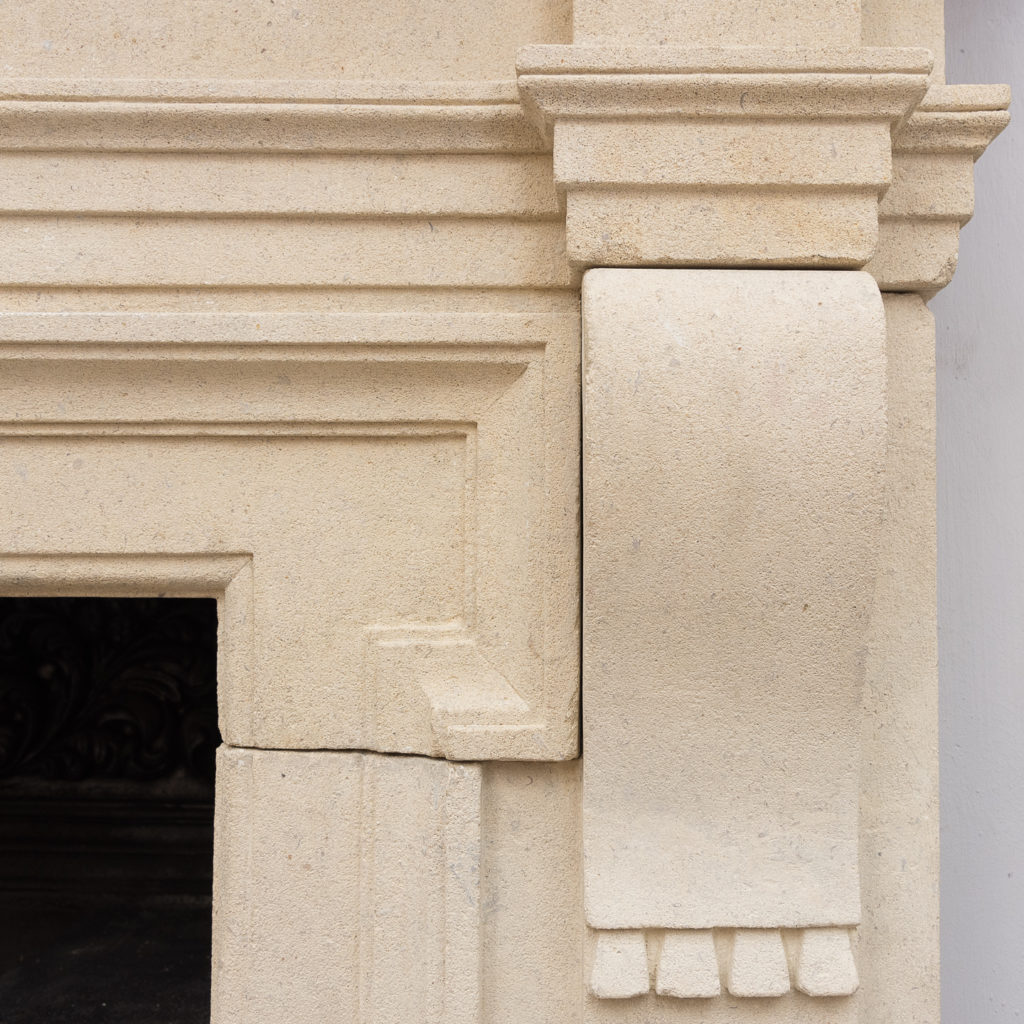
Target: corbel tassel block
(688,966)
(757,966)
(825,964)
(620,966)
(755,963)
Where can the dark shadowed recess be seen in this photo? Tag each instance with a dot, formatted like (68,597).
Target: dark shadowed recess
(108,727)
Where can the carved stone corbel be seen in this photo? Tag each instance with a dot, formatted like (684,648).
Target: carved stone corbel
(734,443)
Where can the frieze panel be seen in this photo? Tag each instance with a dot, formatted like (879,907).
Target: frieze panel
(108,688)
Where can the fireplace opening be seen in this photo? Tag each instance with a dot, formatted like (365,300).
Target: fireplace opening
(108,728)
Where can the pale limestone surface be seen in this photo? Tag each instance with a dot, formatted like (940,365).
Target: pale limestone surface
(898,936)
(347,886)
(906,23)
(899,826)
(619,968)
(378,889)
(431,40)
(794,23)
(756,964)
(289,315)
(531,875)
(688,966)
(256,193)
(824,964)
(733,454)
(932,195)
(721,157)
(398,489)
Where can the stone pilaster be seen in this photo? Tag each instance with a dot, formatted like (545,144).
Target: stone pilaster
(757,451)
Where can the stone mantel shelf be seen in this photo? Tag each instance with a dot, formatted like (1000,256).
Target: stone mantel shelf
(257,90)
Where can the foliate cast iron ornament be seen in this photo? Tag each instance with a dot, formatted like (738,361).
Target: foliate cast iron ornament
(108,688)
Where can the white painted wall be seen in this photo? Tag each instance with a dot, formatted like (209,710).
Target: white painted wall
(981,552)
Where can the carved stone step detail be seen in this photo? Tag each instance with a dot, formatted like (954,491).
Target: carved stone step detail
(757,966)
(688,966)
(825,965)
(620,966)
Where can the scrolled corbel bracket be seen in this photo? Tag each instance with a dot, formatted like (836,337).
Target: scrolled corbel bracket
(733,460)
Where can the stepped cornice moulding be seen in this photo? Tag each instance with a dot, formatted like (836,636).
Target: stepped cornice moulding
(568,82)
(241,337)
(259,90)
(956,119)
(127,185)
(590,59)
(506,186)
(743,157)
(228,116)
(932,196)
(421,467)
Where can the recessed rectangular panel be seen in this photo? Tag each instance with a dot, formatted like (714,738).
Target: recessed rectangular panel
(385,504)
(369,526)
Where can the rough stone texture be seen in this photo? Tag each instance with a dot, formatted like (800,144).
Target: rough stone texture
(932,195)
(531,876)
(824,963)
(293,321)
(733,454)
(688,966)
(795,23)
(619,969)
(760,963)
(757,967)
(434,40)
(906,23)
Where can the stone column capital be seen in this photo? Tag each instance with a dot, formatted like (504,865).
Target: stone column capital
(745,156)
(932,196)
